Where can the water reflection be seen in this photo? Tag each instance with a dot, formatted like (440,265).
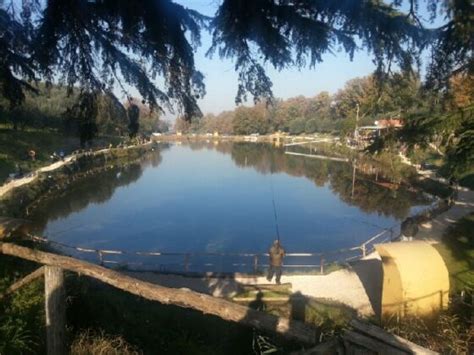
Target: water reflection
(208,197)
(370,188)
(96,189)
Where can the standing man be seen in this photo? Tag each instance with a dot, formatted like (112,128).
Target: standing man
(277,253)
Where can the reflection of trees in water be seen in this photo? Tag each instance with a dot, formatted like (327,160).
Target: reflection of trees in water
(367,195)
(221,147)
(264,158)
(97,188)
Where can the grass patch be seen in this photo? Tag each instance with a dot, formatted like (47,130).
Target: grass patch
(22,323)
(467,180)
(329,317)
(447,333)
(15,145)
(457,251)
(90,342)
(149,326)
(426,156)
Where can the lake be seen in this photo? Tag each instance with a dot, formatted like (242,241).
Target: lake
(218,198)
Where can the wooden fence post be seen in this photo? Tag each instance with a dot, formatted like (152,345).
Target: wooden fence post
(55,308)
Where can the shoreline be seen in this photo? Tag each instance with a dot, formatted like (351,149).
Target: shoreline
(31,177)
(30,188)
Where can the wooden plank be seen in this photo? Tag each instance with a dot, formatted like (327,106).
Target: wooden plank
(24,281)
(181,297)
(370,344)
(392,339)
(55,309)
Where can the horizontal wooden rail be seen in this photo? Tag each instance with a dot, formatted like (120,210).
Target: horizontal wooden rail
(181,297)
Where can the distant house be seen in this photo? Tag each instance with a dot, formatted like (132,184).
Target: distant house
(389,123)
(179,133)
(366,134)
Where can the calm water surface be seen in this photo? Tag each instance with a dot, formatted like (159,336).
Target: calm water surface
(218,198)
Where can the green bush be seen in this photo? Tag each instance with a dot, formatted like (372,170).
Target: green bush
(297,126)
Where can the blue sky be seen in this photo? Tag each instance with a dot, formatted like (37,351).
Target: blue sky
(221,79)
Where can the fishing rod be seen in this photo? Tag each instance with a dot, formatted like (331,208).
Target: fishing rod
(274,207)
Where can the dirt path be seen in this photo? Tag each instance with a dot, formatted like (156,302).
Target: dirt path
(433,230)
(346,286)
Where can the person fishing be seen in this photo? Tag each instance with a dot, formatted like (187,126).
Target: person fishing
(277,253)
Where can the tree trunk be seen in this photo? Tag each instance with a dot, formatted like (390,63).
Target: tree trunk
(55,309)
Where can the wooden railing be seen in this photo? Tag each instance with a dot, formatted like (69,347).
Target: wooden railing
(53,271)
(362,335)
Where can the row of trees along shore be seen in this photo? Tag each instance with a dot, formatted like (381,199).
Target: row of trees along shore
(53,107)
(398,96)
(442,119)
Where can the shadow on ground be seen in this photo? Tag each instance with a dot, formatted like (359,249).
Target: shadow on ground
(370,273)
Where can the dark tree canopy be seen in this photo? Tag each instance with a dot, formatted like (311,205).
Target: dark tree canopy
(133,113)
(100,45)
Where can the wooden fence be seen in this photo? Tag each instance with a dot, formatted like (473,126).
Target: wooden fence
(359,338)
(55,297)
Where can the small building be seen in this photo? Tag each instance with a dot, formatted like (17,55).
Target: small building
(216,134)
(365,135)
(179,133)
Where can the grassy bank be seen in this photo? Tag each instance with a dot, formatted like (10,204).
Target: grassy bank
(457,250)
(14,147)
(16,202)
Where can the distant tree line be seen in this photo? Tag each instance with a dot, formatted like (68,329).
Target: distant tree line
(444,120)
(52,107)
(337,113)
